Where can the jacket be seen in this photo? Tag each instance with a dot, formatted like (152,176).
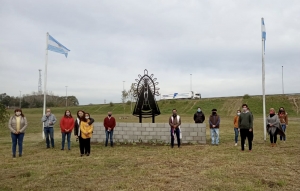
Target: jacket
(84,130)
(77,125)
(245,120)
(199,117)
(109,123)
(236,121)
(174,122)
(283,118)
(47,119)
(214,120)
(13,126)
(275,122)
(66,123)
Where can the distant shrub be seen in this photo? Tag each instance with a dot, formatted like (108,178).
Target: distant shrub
(128,102)
(246,96)
(111,104)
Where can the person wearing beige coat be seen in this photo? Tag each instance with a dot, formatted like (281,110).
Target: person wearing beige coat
(17,125)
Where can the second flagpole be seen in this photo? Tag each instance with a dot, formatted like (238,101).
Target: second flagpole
(45,83)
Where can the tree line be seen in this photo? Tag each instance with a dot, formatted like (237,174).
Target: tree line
(36,100)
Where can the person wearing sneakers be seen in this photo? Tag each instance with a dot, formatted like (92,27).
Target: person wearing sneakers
(175,122)
(236,126)
(17,125)
(66,127)
(283,121)
(246,127)
(214,124)
(273,127)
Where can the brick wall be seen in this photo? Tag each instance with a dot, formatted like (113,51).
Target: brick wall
(191,132)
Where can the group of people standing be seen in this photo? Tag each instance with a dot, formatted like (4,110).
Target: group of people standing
(83,128)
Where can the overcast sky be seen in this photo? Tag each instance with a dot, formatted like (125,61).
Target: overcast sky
(218,42)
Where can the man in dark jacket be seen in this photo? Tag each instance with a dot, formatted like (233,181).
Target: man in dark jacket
(246,127)
(199,116)
(214,124)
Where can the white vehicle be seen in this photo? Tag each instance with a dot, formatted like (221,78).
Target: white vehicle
(184,95)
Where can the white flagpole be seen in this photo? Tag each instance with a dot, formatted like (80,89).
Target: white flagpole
(45,83)
(263,85)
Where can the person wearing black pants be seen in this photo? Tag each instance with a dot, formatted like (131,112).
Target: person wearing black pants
(175,123)
(274,127)
(245,125)
(86,130)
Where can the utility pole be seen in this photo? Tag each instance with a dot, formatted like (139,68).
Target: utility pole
(282,80)
(124,97)
(191,82)
(66,96)
(20,99)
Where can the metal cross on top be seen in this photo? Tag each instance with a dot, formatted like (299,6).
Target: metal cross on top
(146,90)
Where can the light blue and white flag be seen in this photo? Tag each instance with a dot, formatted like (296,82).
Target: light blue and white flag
(263,29)
(263,33)
(55,46)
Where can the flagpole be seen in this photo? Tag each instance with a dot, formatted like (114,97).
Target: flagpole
(45,82)
(263,86)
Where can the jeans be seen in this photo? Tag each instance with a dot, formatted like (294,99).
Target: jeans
(214,134)
(236,135)
(283,126)
(177,133)
(17,138)
(109,134)
(245,133)
(63,136)
(48,131)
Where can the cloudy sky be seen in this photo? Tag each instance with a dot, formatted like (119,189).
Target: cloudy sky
(218,42)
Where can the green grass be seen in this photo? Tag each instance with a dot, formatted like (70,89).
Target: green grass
(149,167)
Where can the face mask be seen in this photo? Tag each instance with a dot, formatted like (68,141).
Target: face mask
(87,117)
(68,114)
(214,112)
(48,113)
(238,113)
(244,109)
(18,113)
(174,114)
(109,115)
(199,110)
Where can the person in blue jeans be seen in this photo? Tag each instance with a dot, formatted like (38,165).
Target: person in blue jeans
(17,125)
(109,125)
(49,120)
(236,126)
(214,124)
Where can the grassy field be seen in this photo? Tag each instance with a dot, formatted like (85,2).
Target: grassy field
(148,167)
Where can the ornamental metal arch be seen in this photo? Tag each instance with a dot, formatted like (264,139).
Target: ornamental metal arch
(145,91)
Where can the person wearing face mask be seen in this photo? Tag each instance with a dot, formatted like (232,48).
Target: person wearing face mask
(77,133)
(17,125)
(109,125)
(175,122)
(283,121)
(49,120)
(214,124)
(66,127)
(86,135)
(199,116)
(245,124)
(236,126)
(273,127)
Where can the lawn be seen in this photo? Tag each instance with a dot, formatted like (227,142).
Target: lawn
(149,167)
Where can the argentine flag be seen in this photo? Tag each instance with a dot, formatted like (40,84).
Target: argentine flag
(55,46)
(263,29)
(263,32)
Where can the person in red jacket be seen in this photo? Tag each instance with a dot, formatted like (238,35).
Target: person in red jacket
(109,124)
(66,126)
